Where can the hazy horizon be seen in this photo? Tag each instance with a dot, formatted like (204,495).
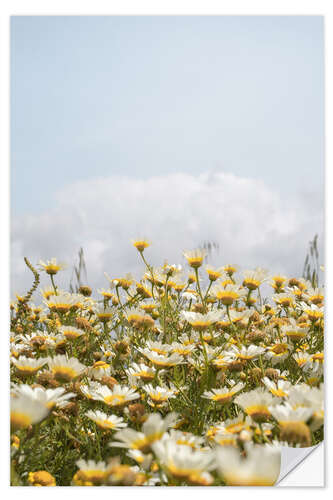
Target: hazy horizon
(186,129)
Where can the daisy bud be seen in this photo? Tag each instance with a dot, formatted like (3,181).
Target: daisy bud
(255,316)
(256,336)
(85,290)
(109,381)
(71,409)
(137,412)
(121,347)
(272,374)
(41,478)
(236,366)
(47,379)
(255,374)
(83,323)
(199,308)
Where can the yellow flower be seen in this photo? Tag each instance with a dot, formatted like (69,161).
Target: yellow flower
(41,478)
(141,244)
(214,274)
(195,257)
(52,266)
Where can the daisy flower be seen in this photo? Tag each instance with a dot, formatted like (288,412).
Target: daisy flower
(47,292)
(64,368)
(160,361)
(152,430)
(223,395)
(293,332)
(253,279)
(214,273)
(117,397)
(256,403)
(195,257)
(260,467)
(278,281)
(158,394)
(141,244)
(278,352)
(228,294)
(284,299)
(279,389)
(292,424)
(315,295)
(104,313)
(99,370)
(313,311)
(48,397)
(182,349)
(104,421)
(89,390)
(233,426)
(182,462)
(106,293)
(25,411)
(185,438)
(90,473)
(28,366)
(141,371)
(247,353)
(142,459)
(302,359)
(158,347)
(201,321)
(63,302)
(70,332)
(51,266)
(230,269)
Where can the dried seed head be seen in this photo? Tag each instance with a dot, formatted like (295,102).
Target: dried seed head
(199,308)
(83,323)
(255,375)
(236,366)
(97,355)
(85,290)
(47,379)
(295,433)
(121,347)
(272,374)
(109,381)
(256,336)
(71,409)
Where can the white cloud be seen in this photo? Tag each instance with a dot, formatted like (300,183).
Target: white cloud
(252,224)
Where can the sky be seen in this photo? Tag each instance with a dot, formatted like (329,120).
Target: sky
(184,129)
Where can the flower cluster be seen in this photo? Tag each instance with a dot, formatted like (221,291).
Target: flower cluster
(186,377)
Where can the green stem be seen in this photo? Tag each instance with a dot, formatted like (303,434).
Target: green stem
(53,284)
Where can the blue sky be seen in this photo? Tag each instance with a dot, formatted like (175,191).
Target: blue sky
(112,98)
(142,96)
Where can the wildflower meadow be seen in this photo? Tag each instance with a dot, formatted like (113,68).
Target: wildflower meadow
(189,376)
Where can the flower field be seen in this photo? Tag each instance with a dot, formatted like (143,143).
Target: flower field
(186,377)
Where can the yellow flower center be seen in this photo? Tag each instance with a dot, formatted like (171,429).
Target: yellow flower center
(115,400)
(259,412)
(278,392)
(143,444)
(19,420)
(27,370)
(64,372)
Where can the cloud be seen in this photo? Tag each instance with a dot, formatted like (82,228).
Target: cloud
(252,224)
